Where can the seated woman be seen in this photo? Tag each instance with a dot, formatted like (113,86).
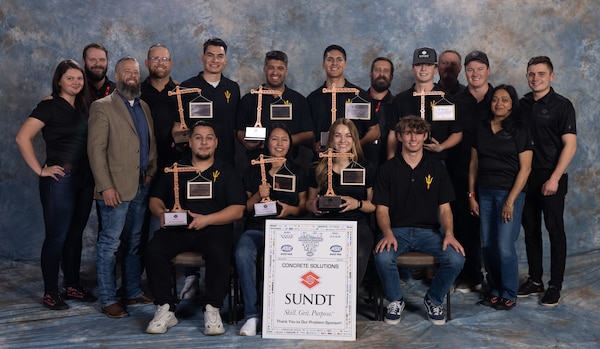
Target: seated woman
(356,197)
(291,202)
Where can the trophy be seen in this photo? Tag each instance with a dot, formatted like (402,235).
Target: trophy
(182,135)
(257,132)
(331,202)
(266,207)
(177,217)
(334,90)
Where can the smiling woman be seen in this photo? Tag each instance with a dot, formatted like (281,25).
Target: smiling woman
(65,183)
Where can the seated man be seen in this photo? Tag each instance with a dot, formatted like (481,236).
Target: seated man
(210,231)
(413,193)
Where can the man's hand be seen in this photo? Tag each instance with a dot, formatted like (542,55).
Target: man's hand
(387,241)
(450,240)
(434,146)
(111,197)
(550,187)
(199,221)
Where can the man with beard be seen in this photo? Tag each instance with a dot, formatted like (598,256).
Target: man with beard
(449,68)
(300,123)
(381,75)
(95,62)
(122,154)
(155,91)
(210,230)
(444,135)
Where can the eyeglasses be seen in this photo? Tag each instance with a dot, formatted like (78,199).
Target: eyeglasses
(159,59)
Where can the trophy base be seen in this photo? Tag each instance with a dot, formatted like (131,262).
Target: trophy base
(255,134)
(181,137)
(329,203)
(265,209)
(176,219)
(323,139)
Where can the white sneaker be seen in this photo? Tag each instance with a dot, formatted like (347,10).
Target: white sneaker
(213,325)
(191,287)
(250,327)
(162,321)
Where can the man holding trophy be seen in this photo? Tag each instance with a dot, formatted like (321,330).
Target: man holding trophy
(212,197)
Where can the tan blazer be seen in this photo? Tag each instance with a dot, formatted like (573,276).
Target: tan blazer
(113,147)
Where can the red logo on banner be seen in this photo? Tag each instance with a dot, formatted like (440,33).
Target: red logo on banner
(310,279)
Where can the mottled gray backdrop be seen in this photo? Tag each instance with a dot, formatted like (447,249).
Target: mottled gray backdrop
(36,34)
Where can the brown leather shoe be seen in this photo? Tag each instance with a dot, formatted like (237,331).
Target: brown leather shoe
(114,311)
(144,299)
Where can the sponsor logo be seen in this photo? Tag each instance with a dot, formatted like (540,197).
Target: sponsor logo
(310,279)
(287,248)
(335,248)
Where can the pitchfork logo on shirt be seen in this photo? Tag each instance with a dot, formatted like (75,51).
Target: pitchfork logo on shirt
(428,180)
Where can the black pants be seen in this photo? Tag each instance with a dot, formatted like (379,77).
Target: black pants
(214,242)
(552,207)
(466,231)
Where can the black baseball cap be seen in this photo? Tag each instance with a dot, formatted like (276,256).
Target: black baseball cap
(477,56)
(424,55)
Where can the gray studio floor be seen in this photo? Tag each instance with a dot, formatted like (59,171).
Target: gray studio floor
(574,323)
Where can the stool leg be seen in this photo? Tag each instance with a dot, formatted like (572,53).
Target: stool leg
(449,317)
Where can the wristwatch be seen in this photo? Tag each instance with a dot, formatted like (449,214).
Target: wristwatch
(359,205)
(470,195)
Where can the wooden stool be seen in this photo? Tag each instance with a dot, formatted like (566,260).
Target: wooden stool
(416,260)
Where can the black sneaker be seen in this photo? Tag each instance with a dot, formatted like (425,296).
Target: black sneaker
(79,293)
(505,304)
(529,288)
(551,297)
(53,301)
(489,301)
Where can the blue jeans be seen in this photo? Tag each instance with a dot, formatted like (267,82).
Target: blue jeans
(122,224)
(498,241)
(246,253)
(66,204)
(421,240)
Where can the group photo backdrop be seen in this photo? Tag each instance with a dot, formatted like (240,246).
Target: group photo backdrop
(36,35)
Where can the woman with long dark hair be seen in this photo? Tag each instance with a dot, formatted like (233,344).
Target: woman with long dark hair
(291,203)
(500,165)
(66,184)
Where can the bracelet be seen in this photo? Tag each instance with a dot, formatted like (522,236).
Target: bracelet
(470,195)
(359,205)
(41,170)
(509,205)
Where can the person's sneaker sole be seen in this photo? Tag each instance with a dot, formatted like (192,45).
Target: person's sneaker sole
(172,321)
(392,321)
(550,304)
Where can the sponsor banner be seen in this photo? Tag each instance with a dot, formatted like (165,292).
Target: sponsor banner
(310,279)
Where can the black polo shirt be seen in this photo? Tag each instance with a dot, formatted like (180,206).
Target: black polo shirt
(301,117)
(413,196)
(548,119)
(161,107)
(107,88)
(64,131)
(405,104)
(469,113)
(498,155)
(358,192)
(384,113)
(320,105)
(226,185)
(225,98)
